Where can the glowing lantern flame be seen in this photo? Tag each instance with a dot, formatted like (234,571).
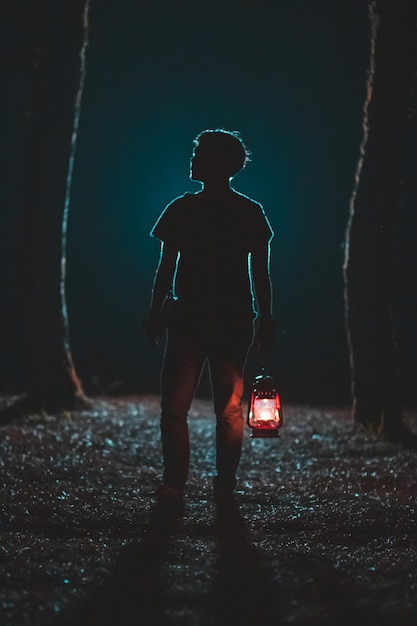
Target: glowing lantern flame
(264,412)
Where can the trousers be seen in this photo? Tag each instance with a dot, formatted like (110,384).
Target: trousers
(186,352)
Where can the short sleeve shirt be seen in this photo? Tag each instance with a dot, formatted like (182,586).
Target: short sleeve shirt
(214,239)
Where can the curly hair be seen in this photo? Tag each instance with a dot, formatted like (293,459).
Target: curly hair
(226,146)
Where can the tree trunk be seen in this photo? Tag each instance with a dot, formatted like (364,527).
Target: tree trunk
(372,345)
(55,41)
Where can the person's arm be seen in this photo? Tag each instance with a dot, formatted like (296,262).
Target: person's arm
(162,284)
(262,286)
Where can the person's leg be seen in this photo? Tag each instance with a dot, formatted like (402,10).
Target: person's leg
(181,370)
(227,364)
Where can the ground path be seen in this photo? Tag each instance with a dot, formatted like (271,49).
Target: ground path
(323,531)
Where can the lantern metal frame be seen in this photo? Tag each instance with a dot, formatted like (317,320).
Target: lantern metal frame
(264,388)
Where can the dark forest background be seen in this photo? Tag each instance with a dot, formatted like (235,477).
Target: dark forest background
(291,76)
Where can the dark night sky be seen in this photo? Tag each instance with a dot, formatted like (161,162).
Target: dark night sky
(291,77)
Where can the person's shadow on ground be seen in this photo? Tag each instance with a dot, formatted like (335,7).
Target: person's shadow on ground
(244,592)
(135,592)
(131,594)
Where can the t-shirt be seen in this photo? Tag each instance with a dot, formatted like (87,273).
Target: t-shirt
(214,239)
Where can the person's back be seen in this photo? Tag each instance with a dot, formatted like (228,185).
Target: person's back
(215,255)
(215,235)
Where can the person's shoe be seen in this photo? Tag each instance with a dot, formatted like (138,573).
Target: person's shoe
(168,495)
(223,495)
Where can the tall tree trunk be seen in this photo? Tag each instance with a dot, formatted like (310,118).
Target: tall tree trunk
(372,345)
(55,44)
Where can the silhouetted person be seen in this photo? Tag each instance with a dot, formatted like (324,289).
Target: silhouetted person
(215,257)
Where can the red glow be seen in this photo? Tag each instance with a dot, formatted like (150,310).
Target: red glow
(264,415)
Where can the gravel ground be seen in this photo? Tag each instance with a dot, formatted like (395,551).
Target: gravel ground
(323,530)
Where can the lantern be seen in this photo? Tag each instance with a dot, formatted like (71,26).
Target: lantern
(264,411)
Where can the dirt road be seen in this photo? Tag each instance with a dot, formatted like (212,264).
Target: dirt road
(323,530)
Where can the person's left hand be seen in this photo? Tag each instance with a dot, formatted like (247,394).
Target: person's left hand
(153,328)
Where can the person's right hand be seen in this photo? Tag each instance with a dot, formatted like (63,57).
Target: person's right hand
(153,329)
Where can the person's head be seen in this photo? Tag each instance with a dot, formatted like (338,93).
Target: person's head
(218,155)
